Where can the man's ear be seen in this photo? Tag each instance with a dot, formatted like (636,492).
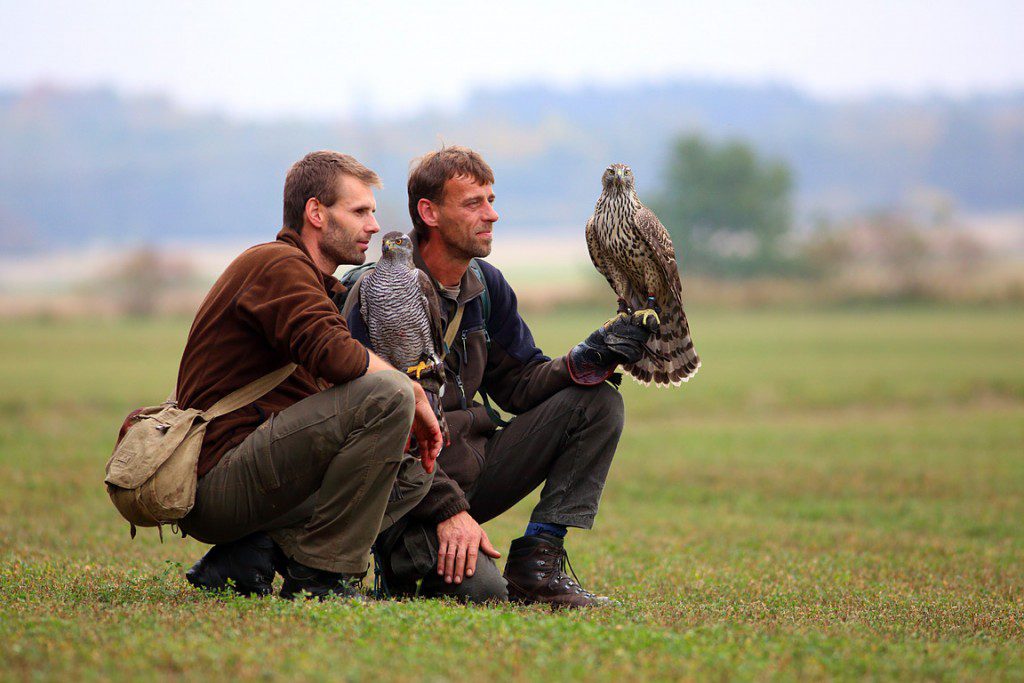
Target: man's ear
(428,212)
(315,213)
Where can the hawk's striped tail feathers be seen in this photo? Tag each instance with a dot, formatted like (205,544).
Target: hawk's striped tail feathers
(673,359)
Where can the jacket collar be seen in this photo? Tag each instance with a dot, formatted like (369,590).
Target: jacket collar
(470,286)
(292,238)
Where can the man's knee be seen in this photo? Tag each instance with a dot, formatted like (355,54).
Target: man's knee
(486,585)
(386,395)
(393,388)
(601,404)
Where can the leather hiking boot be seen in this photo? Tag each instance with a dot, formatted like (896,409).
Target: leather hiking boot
(246,566)
(535,572)
(317,583)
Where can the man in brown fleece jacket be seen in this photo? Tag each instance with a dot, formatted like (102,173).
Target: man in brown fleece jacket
(302,480)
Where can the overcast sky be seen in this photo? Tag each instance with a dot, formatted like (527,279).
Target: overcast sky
(321,59)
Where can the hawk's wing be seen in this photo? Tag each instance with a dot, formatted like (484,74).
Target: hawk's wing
(433,304)
(656,237)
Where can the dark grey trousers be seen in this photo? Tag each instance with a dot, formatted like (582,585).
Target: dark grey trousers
(323,477)
(567,444)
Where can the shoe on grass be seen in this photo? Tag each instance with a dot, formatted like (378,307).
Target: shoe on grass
(246,566)
(535,573)
(300,580)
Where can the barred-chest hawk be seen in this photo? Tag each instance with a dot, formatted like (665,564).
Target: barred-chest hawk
(632,249)
(402,313)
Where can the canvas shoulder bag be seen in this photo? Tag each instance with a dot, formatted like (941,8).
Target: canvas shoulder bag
(151,476)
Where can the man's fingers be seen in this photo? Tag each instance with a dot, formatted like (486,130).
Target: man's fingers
(428,455)
(471,559)
(436,441)
(428,460)
(485,545)
(449,563)
(460,563)
(442,552)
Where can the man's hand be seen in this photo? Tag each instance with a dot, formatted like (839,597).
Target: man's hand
(425,429)
(459,537)
(623,341)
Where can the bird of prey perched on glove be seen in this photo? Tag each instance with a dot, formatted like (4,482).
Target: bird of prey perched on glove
(632,249)
(402,314)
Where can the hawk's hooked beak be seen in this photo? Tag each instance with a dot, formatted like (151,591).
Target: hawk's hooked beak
(386,246)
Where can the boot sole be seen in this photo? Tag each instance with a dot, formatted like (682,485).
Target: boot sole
(521,597)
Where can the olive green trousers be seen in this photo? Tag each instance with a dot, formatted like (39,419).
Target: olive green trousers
(323,477)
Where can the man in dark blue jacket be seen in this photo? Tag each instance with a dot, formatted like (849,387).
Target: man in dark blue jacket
(568,418)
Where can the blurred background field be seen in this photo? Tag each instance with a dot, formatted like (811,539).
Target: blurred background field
(837,494)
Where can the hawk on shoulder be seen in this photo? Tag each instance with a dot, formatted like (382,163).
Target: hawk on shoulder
(402,313)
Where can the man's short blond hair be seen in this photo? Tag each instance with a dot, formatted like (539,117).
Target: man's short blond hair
(316,175)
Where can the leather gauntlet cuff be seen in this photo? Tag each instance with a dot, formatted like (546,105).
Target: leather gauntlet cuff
(589,365)
(594,360)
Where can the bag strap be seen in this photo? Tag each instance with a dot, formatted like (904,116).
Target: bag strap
(352,295)
(453,327)
(485,297)
(251,392)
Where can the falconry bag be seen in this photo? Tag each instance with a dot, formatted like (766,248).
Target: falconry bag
(151,476)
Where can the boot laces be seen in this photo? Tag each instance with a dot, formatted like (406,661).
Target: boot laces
(574,582)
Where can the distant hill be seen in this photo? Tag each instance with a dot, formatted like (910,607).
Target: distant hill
(91,166)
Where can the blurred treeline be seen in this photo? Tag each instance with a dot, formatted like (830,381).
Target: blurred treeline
(731,213)
(769,194)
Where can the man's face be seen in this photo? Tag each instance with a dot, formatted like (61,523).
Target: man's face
(350,222)
(466,217)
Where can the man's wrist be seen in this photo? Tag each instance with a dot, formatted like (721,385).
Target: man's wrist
(450,510)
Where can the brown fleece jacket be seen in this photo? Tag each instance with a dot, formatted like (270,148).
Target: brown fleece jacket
(270,307)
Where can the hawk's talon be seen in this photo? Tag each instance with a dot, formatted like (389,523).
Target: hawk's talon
(648,313)
(419,369)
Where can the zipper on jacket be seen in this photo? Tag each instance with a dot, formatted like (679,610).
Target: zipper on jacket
(462,391)
(463,401)
(461,357)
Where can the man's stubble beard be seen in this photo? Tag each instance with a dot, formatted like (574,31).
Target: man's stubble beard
(465,247)
(338,246)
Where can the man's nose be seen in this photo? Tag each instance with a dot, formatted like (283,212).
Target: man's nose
(373,227)
(492,215)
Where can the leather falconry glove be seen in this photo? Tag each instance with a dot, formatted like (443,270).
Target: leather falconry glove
(622,342)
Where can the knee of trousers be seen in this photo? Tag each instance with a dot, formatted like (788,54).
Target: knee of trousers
(602,405)
(486,585)
(392,390)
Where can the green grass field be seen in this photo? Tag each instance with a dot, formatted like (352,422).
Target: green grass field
(836,495)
